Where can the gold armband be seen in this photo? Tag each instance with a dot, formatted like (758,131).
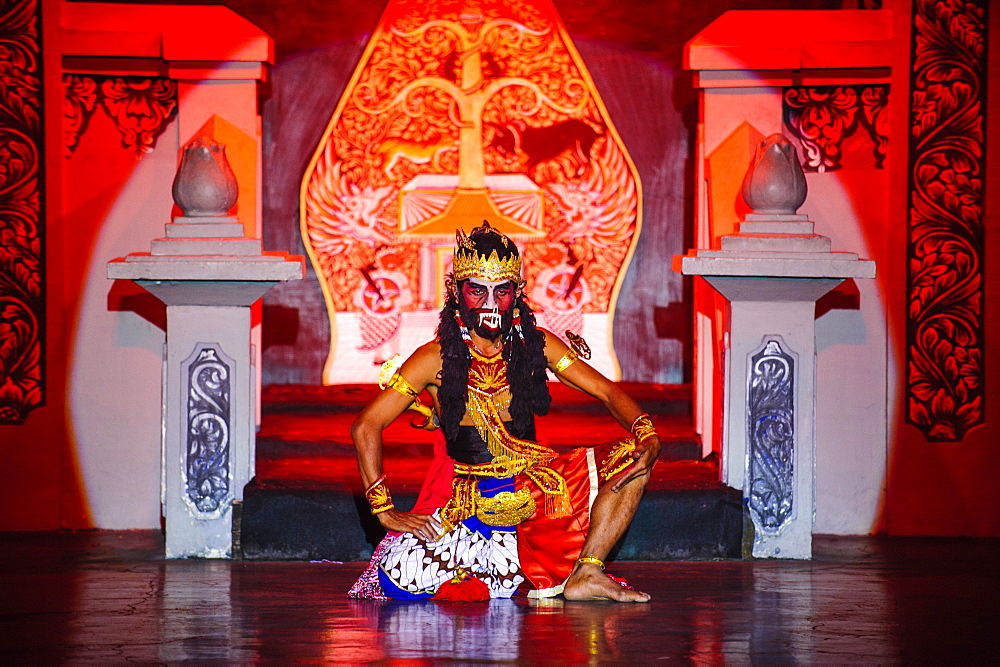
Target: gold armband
(642,428)
(399,383)
(378,496)
(567,360)
(389,377)
(578,349)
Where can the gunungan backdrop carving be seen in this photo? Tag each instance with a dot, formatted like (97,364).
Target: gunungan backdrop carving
(460,111)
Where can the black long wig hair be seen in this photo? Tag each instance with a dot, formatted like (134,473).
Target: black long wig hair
(525,358)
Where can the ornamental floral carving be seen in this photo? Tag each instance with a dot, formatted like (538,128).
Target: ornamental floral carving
(79,102)
(822,117)
(874,102)
(945,376)
(22,299)
(141,108)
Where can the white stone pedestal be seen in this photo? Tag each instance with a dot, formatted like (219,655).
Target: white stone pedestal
(772,273)
(208,278)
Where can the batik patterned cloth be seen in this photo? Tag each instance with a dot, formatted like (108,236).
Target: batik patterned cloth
(412,566)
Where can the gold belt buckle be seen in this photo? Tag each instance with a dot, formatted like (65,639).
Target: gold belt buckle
(507,508)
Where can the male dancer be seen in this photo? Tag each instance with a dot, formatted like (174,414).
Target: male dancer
(501,506)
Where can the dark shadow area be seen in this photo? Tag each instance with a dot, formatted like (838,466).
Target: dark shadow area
(845,296)
(281,325)
(127,296)
(673,322)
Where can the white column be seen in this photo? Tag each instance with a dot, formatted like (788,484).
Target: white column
(772,281)
(770,389)
(209,405)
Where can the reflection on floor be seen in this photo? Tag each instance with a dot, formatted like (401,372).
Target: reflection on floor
(110,597)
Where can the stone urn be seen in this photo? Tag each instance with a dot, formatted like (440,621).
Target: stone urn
(775,184)
(205,185)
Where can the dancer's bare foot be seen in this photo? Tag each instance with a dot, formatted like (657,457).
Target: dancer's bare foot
(588,582)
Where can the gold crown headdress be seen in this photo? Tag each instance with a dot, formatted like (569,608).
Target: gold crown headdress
(470,263)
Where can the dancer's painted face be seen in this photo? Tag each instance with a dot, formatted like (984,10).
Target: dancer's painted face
(488,305)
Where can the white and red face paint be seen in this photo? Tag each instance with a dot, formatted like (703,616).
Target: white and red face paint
(488,302)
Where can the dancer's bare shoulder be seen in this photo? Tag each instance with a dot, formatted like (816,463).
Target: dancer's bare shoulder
(423,366)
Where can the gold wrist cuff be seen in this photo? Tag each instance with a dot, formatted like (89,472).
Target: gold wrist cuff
(593,561)
(567,360)
(642,428)
(378,496)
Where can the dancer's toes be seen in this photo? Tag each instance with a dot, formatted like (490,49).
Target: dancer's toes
(588,582)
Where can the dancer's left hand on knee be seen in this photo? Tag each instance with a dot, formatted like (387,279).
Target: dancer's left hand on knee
(645,455)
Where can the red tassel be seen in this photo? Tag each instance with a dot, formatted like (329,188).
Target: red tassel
(463,587)
(621,582)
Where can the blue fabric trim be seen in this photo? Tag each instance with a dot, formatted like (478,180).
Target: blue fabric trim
(489,487)
(474,524)
(395,592)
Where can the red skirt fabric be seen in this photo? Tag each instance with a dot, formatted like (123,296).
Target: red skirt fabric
(549,546)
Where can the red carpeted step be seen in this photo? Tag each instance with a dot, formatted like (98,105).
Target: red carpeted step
(305,435)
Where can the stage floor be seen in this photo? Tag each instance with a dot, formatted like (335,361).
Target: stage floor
(108,597)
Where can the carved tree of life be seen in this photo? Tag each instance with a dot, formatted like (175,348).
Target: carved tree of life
(470,97)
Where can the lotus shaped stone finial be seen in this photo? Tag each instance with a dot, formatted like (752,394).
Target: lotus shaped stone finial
(775,183)
(205,185)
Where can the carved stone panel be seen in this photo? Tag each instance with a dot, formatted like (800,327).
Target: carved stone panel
(207,472)
(771,436)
